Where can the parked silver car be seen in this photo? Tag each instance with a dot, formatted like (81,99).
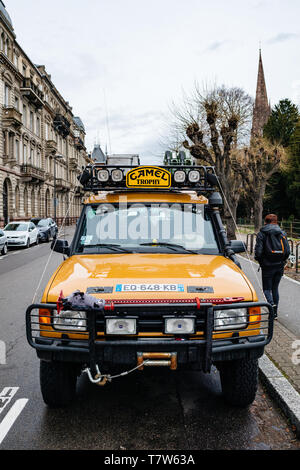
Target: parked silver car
(3,243)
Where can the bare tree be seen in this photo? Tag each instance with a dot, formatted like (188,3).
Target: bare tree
(256,164)
(217,121)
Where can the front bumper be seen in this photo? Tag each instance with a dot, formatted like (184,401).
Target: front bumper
(16,242)
(196,353)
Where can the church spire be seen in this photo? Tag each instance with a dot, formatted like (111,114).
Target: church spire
(262,111)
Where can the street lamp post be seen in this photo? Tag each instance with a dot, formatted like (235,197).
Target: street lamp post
(55,157)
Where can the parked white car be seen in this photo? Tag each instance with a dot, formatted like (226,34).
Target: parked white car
(21,234)
(3,243)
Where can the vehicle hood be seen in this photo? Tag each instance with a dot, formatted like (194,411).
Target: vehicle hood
(15,234)
(98,271)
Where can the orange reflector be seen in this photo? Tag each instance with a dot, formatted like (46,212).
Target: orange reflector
(254,315)
(44,317)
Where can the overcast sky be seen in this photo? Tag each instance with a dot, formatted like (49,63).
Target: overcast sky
(124,61)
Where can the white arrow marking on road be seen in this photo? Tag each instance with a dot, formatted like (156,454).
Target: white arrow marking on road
(11,417)
(6,396)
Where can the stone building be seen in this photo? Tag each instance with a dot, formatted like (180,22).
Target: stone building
(262,108)
(40,138)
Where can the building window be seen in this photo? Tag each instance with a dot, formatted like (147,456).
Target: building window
(24,154)
(17,150)
(24,115)
(6,95)
(6,47)
(31,121)
(32,157)
(17,103)
(38,127)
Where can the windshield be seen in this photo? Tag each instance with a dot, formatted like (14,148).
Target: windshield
(16,228)
(43,223)
(150,228)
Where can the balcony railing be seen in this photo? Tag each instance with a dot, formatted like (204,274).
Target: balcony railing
(62,184)
(11,117)
(79,143)
(32,92)
(51,146)
(30,172)
(62,125)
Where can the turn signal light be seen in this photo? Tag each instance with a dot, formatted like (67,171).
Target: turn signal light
(254,315)
(44,317)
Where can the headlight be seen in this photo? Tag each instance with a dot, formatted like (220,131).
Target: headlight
(22,237)
(103,176)
(117,176)
(233,319)
(180,326)
(121,326)
(70,320)
(179,176)
(194,176)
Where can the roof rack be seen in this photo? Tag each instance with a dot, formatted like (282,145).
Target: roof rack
(99,177)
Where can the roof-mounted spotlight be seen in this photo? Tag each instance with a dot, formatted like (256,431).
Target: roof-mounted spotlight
(103,176)
(117,176)
(194,176)
(179,176)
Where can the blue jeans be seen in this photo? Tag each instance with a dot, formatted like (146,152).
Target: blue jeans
(271,278)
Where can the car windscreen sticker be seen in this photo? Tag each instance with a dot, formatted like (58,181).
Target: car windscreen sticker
(150,288)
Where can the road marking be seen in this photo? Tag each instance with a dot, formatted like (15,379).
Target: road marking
(11,417)
(6,396)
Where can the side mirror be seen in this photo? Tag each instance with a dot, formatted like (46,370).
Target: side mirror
(238,246)
(60,246)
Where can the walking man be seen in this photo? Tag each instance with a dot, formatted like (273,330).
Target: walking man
(272,251)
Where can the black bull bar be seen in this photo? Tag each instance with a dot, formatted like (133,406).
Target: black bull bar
(210,345)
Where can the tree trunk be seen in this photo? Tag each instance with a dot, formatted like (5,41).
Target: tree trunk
(230,220)
(258,208)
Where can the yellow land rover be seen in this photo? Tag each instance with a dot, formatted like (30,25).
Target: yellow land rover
(150,279)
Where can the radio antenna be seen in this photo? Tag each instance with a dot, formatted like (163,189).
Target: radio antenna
(107,121)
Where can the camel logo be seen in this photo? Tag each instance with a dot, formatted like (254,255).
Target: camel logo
(148,177)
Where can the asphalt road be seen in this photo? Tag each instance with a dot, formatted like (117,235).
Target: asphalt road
(153,410)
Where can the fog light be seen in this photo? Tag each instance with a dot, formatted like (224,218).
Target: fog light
(117,176)
(180,326)
(194,176)
(121,326)
(179,176)
(70,320)
(103,176)
(232,319)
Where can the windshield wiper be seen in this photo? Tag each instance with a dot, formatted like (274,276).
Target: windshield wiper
(169,245)
(110,246)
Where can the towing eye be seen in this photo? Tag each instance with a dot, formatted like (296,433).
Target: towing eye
(101,380)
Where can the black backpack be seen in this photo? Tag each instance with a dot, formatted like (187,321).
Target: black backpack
(276,247)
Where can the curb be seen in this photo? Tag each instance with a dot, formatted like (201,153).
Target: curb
(281,390)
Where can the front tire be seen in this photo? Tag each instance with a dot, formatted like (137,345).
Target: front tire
(58,383)
(239,381)
(4,250)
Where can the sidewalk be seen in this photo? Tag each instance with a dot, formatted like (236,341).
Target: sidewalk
(280,350)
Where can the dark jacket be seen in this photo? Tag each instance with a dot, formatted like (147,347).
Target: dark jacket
(260,243)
